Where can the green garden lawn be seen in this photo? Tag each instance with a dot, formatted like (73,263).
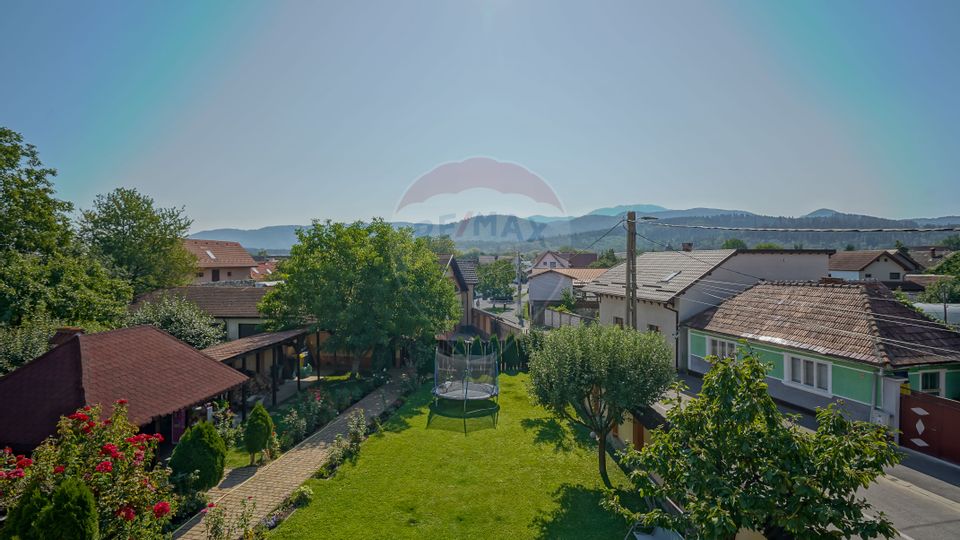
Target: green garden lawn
(529,477)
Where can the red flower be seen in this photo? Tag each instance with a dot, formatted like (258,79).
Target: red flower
(158,437)
(79,416)
(127,513)
(24,462)
(3,475)
(87,408)
(161,509)
(16,473)
(104,467)
(58,469)
(107,422)
(108,449)
(121,401)
(211,505)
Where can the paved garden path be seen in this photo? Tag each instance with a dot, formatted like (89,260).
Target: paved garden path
(274,482)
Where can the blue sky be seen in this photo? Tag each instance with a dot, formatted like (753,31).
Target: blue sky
(259,113)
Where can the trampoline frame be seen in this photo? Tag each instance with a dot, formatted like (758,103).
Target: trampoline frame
(464,395)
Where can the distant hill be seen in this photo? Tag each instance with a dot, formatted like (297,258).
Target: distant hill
(501,233)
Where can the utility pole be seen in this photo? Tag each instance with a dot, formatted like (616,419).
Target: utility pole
(519,291)
(631,282)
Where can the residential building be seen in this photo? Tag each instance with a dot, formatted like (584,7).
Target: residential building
(264,271)
(554,259)
(545,287)
(463,274)
(887,265)
(161,377)
(235,306)
(827,342)
(929,256)
(673,286)
(219,260)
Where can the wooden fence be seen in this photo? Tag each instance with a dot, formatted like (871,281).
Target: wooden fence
(556,319)
(931,425)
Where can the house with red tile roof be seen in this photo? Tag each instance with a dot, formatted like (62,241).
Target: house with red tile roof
(237,307)
(886,265)
(161,377)
(264,271)
(219,260)
(546,285)
(555,259)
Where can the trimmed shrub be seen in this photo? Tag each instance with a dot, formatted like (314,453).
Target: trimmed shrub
(476,346)
(511,353)
(71,514)
(256,434)
(200,450)
(293,428)
(460,347)
(300,497)
(21,520)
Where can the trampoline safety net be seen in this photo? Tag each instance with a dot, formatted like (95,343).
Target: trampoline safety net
(465,377)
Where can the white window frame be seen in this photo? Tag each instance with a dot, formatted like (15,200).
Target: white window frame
(942,379)
(725,346)
(788,374)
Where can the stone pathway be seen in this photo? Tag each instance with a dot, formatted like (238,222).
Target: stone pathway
(274,482)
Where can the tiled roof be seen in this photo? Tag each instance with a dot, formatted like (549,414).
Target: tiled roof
(929,256)
(582,275)
(468,268)
(264,271)
(579,260)
(217,301)
(219,254)
(231,349)
(661,275)
(157,373)
(855,261)
(859,321)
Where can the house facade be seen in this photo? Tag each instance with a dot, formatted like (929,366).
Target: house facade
(219,260)
(879,264)
(235,306)
(554,259)
(825,342)
(463,274)
(673,286)
(545,287)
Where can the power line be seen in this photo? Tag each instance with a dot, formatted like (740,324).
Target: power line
(668,248)
(784,229)
(615,225)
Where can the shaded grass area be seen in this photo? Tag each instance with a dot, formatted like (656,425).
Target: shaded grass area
(516,473)
(238,457)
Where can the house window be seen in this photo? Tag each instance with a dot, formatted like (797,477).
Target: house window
(244,330)
(618,321)
(229,274)
(553,264)
(723,349)
(930,382)
(199,274)
(653,328)
(868,276)
(894,276)
(810,373)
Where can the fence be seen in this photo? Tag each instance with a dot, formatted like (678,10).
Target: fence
(511,355)
(929,423)
(556,319)
(491,324)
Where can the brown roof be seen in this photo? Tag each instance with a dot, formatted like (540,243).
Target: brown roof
(219,254)
(157,373)
(220,301)
(578,275)
(855,261)
(468,268)
(860,321)
(237,347)
(929,256)
(264,271)
(925,280)
(661,275)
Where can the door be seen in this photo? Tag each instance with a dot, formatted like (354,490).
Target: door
(215,274)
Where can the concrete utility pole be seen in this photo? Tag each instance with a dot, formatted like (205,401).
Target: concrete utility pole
(631,282)
(519,291)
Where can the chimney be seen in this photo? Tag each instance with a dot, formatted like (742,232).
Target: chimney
(687,246)
(64,334)
(933,253)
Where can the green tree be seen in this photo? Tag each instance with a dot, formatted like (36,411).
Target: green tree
(441,245)
(180,318)
(731,461)
(591,375)
(257,432)
(71,514)
(850,247)
(607,259)
(511,353)
(21,520)
(567,300)
(943,291)
(495,280)
(768,245)
(201,451)
(143,243)
(949,266)
(951,242)
(368,285)
(21,344)
(733,243)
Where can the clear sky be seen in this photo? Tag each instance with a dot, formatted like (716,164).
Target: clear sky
(259,113)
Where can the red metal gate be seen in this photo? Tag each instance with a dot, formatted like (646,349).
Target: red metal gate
(931,425)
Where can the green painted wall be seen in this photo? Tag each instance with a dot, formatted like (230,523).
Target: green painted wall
(698,344)
(772,359)
(852,384)
(952,385)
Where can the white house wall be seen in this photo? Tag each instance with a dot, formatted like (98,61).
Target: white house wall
(547,287)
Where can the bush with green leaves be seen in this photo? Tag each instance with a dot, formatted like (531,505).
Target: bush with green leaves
(356,428)
(181,319)
(257,432)
(530,343)
(224,419)
(511,353)
(71,514)
(21,520)
(293,428)
(300,497)
(201,450)
(340,451)
(23,343)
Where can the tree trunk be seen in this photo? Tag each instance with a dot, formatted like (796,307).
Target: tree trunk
(355,365)
(602,449)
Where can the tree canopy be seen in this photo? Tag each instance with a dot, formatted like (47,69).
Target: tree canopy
(951,242)
(767,245)
(180,318)
(732,462)
(607,259)
(495,279)
(946,291)
(733,243)
(949,266)
(367,284)
(441,245)
(592,375)
(141,242)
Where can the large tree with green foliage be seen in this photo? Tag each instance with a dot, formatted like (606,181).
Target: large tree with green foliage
(42,265)
(607,259)
(180,318)
(21,344)
(441,245)
(592,375)
(949,266)
(732,462)
(495,279)
(733,243)
(367,284)
(951,242)
(142,242)
(943,291)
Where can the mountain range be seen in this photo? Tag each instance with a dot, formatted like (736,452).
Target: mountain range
(496,233)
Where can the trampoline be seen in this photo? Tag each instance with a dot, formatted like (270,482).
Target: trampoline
(466,377)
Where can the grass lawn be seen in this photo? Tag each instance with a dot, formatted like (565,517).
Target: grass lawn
(529,477)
